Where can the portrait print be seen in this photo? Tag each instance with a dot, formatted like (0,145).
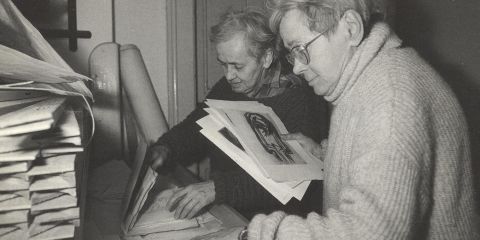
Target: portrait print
(269,138)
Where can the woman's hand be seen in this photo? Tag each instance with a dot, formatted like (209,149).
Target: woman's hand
(157,156)
(307,143)
(189,200)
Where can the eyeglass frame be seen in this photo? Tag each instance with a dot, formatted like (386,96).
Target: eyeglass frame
(291,58)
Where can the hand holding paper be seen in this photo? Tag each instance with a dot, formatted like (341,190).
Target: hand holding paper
(307,143)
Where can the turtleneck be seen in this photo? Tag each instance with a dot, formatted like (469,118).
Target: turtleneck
(363,55)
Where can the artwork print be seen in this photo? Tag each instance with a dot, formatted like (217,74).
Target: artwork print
(269,137)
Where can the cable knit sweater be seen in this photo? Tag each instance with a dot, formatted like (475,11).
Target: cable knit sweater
(398,159)
(232,184)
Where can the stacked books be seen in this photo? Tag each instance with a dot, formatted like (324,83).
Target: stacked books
(250,134)
(39,137)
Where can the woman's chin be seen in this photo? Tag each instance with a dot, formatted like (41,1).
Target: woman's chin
(319,91)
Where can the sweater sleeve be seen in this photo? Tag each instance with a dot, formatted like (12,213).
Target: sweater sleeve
(384,211)
(381,199)
(185,140)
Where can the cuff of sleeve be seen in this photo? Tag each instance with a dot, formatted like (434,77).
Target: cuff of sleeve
(265,227)
(220,189)
(293,227)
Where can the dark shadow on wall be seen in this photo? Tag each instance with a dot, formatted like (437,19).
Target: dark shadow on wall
(421,26)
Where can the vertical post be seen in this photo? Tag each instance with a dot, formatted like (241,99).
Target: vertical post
(72,24)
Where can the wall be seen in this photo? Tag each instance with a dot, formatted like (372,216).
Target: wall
(52,14)
(447,34)
(162,29)
(144,24)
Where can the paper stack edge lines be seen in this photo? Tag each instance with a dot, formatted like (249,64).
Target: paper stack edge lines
(39,139)
(47,109)
(39,134)
(249,133)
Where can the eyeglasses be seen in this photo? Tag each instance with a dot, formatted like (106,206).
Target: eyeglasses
(300,52)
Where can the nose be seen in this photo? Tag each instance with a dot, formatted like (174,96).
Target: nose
(298,67)
(230,73)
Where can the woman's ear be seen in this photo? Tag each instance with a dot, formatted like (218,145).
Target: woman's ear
(354,27)
(268,58)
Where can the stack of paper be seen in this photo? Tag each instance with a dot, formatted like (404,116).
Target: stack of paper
(39,137)
(249,133)
(38,133)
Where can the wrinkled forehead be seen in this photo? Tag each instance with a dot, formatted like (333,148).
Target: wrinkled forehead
(234,50)
(293,28)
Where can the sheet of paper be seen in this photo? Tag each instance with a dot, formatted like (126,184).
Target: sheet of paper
(13,167)
(140,197)
(57,215)
(51,231)
(50,165)
(157,218)
(52,182)
(211,130)
(258,129)
(52,200)
(28,155)
(18,200)
(15,231)
(14,182)
(13,217)
(18,66)
(50,108)
(28,128)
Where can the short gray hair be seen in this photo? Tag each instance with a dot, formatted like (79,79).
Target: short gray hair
(251,22)
(323,14)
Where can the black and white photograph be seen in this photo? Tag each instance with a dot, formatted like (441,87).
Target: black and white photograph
(239,119)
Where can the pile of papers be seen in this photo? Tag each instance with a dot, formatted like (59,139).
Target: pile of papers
(39,133)
(249,133)
(39,137)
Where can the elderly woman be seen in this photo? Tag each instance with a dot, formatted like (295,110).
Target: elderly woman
(246,49)
(398,162)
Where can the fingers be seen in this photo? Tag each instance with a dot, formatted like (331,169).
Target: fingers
(190,205)
(291,136)
(184,207)
(196,208)
(295,136)
(191,208)
(188,201)
(175,198)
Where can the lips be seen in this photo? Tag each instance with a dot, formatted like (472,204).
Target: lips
(235,83)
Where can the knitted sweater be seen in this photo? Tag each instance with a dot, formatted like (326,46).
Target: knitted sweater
(398,159)
(232,184)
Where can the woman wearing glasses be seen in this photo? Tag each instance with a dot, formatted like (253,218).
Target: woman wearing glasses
(246,49)
(398,159)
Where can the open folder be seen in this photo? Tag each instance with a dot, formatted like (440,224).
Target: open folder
(146,199)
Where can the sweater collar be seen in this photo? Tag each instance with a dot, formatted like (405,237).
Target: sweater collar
(379,38)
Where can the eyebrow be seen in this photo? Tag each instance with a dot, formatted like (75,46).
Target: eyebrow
(233,63)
